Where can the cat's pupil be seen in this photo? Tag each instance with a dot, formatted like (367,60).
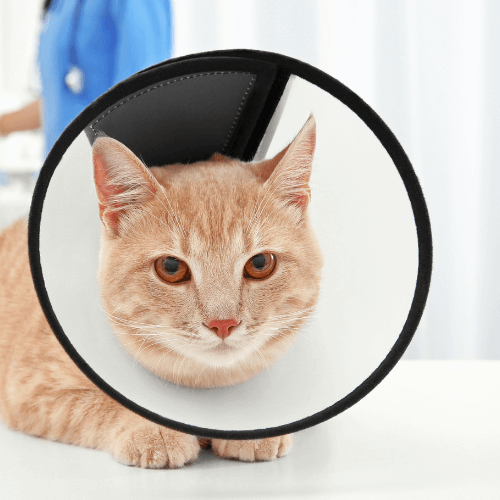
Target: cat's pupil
(259,261)
(171,265)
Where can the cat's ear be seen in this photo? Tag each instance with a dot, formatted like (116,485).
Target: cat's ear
(122,181)
(288,173)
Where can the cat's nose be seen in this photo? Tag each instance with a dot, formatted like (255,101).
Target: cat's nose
(223,327)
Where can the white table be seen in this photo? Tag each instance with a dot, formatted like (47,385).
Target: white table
(431,430)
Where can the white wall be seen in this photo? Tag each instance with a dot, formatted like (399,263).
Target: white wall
(19,23)
(20,154)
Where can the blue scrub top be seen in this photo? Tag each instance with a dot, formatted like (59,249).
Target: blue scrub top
(107,40)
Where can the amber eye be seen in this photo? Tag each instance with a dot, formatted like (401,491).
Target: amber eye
(260,266)
(172,270)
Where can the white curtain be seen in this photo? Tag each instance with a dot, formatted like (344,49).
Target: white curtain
(20,154)
(431,70)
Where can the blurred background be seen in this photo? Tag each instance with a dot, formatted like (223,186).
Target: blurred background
(429,68)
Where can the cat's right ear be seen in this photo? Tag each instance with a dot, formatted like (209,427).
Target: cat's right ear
(288,173)
(122,181)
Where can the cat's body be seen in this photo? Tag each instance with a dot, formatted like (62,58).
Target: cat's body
(250,279)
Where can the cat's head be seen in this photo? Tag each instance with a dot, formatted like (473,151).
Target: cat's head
(207,270)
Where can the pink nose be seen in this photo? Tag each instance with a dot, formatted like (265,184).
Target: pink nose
(223,327)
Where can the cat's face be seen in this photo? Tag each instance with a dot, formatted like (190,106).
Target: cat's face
(208,270)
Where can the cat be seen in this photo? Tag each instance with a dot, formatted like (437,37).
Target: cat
(207,272)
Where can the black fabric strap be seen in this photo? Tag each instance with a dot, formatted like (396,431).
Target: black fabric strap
(189,117)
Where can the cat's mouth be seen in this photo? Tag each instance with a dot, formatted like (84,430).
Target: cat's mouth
(222,347)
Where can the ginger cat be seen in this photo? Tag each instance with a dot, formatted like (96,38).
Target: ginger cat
(223,284)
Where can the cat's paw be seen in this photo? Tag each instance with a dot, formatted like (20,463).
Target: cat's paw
(152,446)
(255,449)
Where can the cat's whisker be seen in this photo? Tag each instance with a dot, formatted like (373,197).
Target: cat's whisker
(139,334)
(289,315)
(261,210)
(177,377)
(265,364)
(133,323)
(254,213)
(171,213)
(174,216)
(136,355)
(150,336)
(295,317)
(272,230)
(256,210)
(157,218)
(179,356)
(316,307)
(289,329)
(142,328)
(279,328)
(137,329)
(293,313)
(252,216)
(276,326)
(177,205)
(257,229)
(239,367)
(141,348)
(184,357)
(287,345)
(155,370)
(199,375)
(149,340)
(135,343)
(285,339)
(160,360)
(142,331)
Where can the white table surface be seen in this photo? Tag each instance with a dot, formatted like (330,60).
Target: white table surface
(431,430)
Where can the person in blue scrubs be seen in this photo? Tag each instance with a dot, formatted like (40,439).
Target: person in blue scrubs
(86,47)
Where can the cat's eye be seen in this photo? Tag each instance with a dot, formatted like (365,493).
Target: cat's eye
(260,266)
(172,270)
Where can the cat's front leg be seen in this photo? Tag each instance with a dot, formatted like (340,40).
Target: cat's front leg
(87,417)
(152,446)
(254,449)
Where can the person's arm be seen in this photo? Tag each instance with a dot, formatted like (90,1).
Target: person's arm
(26,118)
(143,35)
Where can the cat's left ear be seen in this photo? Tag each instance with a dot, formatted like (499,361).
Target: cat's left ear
(288,173)
(122,181)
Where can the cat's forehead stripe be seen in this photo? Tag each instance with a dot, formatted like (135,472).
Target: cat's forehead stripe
(230,243)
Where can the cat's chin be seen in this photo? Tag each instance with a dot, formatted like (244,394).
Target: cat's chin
(220,366)
(222,356)
(223,348)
